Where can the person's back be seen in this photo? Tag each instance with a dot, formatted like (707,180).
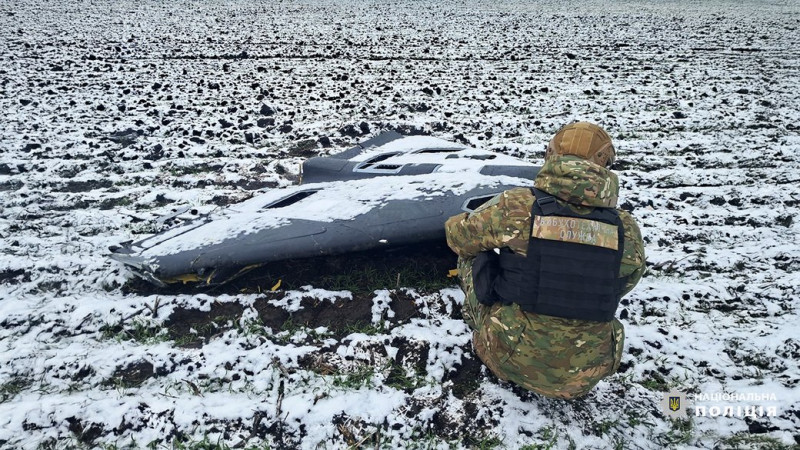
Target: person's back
(540,322)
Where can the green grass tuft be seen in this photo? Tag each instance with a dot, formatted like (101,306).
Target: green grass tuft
(746,441)
(368,328)
(139,331)
(549,437)
(361,377)
(10,389)
(681,433)
(483,442)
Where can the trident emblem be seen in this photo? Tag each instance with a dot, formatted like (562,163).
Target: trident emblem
(674,404)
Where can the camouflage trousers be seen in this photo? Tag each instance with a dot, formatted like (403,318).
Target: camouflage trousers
(552,356)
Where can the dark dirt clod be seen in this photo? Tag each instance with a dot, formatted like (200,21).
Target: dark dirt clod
(324,141)
(82,186)
(403,306)
(205,323)
(349,130)
(14,276)
(337,316)
(304,149)
(125,137)
(411,353)
(86,433)
(266,111)
(466,377)
(134,374)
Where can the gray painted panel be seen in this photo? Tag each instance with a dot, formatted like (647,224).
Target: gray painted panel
(392,223)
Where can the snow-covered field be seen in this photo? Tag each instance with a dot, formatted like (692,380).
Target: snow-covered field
(113,113)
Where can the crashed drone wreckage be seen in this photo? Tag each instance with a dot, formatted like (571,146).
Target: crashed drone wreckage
(388,191)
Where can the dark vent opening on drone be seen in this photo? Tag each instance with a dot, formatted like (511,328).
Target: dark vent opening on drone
(290,200)
(371,162)
(439,150)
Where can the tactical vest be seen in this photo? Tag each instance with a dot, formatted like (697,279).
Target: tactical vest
(572,266)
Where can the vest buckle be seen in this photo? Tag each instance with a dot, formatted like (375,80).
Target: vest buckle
(548,204)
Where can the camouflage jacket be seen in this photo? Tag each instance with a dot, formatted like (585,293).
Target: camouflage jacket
(554,356)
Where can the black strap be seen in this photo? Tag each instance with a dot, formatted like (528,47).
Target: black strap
(547,202)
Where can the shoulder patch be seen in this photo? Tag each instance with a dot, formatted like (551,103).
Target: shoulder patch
(578,231)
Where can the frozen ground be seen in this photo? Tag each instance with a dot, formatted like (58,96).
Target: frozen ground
(117,112)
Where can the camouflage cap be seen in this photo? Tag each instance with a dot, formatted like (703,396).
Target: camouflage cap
(583,139)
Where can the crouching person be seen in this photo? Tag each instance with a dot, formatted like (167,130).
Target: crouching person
(543,270)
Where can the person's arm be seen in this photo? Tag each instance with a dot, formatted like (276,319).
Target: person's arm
(633,258)
(503,221)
